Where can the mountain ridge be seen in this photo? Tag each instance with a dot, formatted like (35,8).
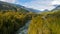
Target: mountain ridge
(4,6)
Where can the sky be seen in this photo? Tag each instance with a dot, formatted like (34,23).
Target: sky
(36,4)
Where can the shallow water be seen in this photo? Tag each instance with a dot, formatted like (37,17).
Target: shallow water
(24,29)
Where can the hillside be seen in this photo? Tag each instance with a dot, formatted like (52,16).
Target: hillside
(46,23)
(4,6)
(12,17)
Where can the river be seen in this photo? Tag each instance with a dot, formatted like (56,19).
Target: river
(24,29)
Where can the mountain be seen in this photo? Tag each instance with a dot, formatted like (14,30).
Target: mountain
(46,10)
(33,10)
(4,6)
(57,7)
(12,17)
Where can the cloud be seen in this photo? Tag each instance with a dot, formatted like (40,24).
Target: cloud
(55,2)
(10,1)
(36,4)
(40,4)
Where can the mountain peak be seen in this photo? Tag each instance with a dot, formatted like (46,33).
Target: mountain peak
(57,7)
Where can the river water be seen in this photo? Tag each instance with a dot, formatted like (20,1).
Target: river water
(24,29)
